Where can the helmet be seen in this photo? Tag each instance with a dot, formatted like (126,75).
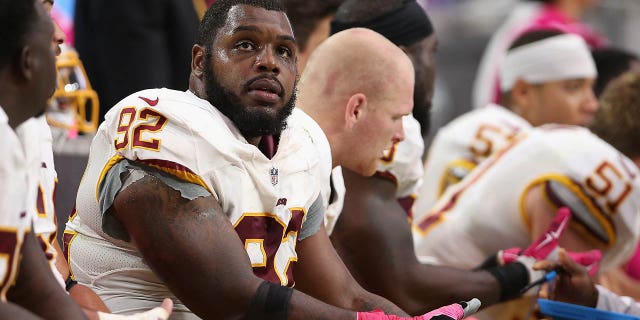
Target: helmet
(74,105)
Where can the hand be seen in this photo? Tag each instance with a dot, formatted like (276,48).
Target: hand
(454,311)
(158,313)
(542,249)
(573,285)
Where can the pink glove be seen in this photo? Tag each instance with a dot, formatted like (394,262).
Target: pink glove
(588,259)
(544,246)
(454,311)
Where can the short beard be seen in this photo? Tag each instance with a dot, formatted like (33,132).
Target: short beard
(251,122)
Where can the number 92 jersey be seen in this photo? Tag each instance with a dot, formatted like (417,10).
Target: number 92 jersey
(185,136)
(485,212)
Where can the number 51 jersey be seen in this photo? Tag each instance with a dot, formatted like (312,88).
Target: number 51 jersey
(267,200)
(485,212)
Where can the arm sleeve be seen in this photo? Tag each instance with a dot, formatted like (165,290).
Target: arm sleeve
(315,217)
(125,173)
(610,301)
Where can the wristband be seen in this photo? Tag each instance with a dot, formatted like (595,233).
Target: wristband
(512,278)
(270,301)
(69,283)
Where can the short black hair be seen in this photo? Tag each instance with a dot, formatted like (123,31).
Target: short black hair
(18,17)
(304,16)
(365,10)
(534,36)
(610,62)
(216,16)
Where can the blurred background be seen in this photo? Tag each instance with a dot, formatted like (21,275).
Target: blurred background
(463,28)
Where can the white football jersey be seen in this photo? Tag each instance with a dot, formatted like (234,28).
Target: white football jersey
(485,212)
(402,164)
(332,184)
(463,143)
(14,219)
(337,192)
(179,133)
(35,135)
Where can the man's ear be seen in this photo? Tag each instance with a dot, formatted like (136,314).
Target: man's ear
(521,94)
(26,64)
(355,109)
(198,57)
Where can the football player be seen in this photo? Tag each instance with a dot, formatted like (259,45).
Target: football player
(509,199)
(27,76)
(204,196)
(375,222)
(547,77)
(35,137)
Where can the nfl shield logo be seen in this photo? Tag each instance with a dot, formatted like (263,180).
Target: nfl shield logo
(274,176)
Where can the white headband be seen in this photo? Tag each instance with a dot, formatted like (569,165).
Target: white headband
(560,57)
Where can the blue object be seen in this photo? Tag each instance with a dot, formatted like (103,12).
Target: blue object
(547,277)
(567,311)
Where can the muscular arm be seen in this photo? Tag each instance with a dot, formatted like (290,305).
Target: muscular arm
(321,274)
(374,240)
(541,213)
(82,295)
(9,310)
(193,248)
(37,290)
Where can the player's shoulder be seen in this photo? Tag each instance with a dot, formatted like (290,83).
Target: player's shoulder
(170,125)
(307,136)
(181,111)
(496,116)
(301,122)
(567,138)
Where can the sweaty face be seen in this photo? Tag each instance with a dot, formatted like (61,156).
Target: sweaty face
(422,56)
(564,102)
(250,71)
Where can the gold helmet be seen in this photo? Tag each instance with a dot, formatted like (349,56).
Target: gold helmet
(74,105)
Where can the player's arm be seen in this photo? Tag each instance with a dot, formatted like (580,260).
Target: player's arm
(193,248)
(618,281)
(541,212)
(81,294)
(37,290)
(321,274)
(9,310)
(373,237)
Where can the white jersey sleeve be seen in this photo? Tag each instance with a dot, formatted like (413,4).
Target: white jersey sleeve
(332,184)
(402,164)
(485,212)
(336,199)
(14,219)
(610,301)
(490,200)
(461,145)
(35,135)
(180,134)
